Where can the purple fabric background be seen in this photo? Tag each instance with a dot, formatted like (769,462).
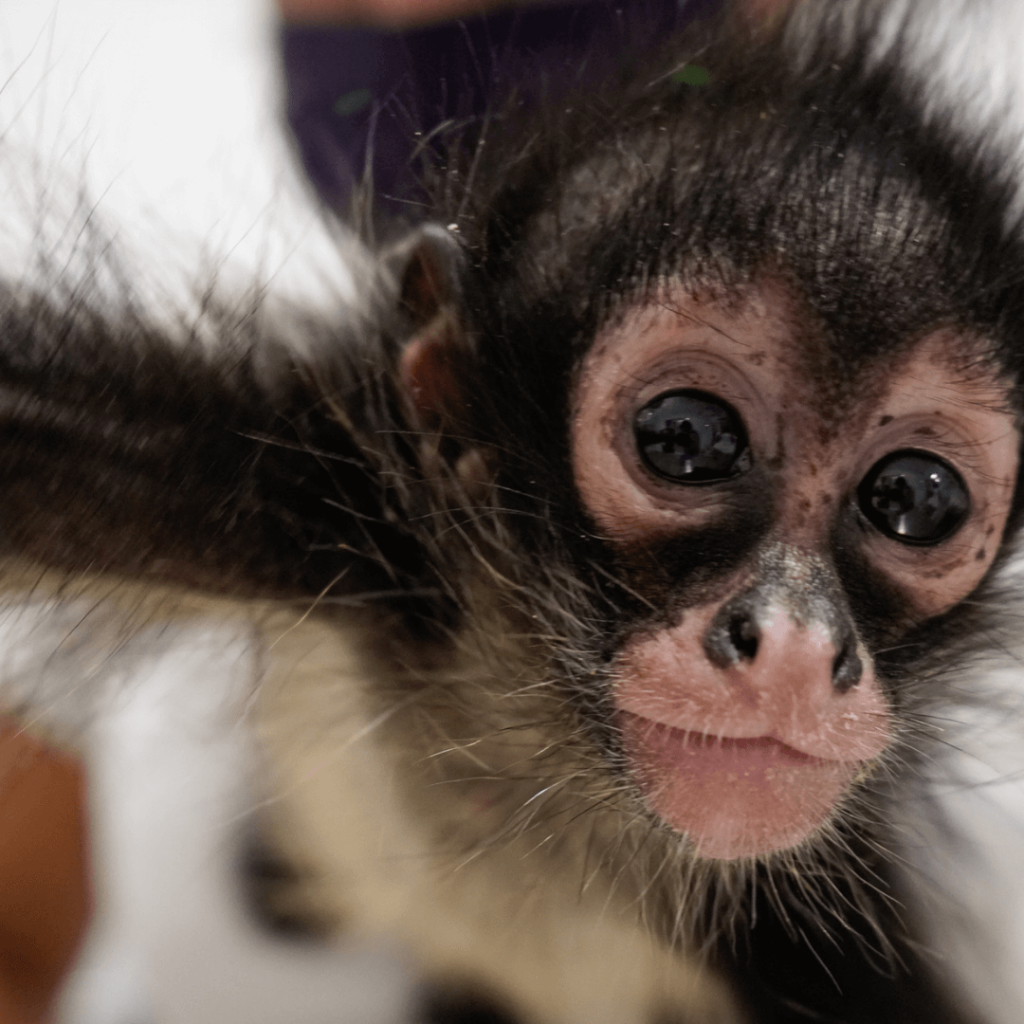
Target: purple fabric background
(348,86)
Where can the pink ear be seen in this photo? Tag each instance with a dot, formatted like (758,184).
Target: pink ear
(429,288)
(429,374)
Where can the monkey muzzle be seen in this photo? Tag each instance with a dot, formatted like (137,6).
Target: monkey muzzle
(747,722)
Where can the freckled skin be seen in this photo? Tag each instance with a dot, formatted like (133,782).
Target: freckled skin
(810,450)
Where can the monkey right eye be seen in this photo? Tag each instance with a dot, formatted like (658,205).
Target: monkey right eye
(692,437)
(914,497)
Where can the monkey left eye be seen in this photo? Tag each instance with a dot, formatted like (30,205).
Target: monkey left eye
(692,437)
(914,497)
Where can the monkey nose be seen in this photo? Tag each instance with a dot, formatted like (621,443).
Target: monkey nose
(744,634)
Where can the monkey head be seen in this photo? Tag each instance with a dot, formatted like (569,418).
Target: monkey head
(776,536)
(785,455)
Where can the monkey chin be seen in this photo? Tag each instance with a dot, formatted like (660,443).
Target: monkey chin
(734,798)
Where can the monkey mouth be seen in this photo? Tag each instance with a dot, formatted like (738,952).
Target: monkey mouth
(733,797)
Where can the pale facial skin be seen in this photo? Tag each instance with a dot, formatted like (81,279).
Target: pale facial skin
(751,754)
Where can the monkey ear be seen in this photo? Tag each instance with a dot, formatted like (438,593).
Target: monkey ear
(429,274)
(428,266)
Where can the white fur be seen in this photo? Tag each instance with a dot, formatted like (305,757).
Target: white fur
(173,777)
(970,56)
(154,129)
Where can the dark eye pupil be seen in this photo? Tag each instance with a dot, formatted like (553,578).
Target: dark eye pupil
(692,437)
(914,497)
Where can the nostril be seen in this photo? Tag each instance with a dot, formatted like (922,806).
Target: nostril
(733,635)
(744,635)
(847,668)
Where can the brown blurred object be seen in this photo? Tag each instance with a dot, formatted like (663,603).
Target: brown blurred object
(765,9)
(381,12)
(44,889)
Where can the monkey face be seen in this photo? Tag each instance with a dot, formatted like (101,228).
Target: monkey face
(750,703)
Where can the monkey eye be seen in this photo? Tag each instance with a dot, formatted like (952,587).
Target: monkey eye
(914,497)
(692,437)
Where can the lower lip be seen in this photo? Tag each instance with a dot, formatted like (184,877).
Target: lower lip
(735,798)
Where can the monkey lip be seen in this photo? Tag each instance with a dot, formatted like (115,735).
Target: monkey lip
(734,797)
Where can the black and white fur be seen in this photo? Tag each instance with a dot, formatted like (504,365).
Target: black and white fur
(120,691)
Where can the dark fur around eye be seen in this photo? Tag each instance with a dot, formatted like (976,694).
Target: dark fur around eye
(692,437)
(914,497)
